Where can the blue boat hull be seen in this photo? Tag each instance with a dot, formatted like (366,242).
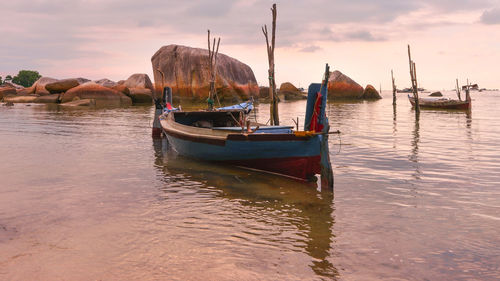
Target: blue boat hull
(284,154)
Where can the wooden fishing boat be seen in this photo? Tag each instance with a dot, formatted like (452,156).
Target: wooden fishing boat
(226,136)
(441,103)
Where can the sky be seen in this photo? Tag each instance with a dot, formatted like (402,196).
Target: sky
(364,39)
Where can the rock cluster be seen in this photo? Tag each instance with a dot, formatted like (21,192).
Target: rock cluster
(104,92)
(290,92)
(436,94)
(185,70)
(340,86)
(370,93)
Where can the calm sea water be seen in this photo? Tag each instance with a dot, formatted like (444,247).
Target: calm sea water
(88,195)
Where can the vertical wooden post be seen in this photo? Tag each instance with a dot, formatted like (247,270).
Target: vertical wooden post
(325,163)
(393,89)
(467,93)
(413,76)
(458,91)
(270,56)
(212,70)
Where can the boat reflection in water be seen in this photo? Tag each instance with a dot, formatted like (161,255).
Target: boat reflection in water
(301,214)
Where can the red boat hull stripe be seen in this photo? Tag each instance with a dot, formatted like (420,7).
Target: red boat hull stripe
(298,167)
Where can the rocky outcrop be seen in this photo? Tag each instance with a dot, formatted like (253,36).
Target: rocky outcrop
(19,99)
(105,82)
(7,91)
(290,92)
(62,85)
(140,95)
(341,86)
(370,93)
(12,85)
(122,89)
(78,102)
(82,80)
(102,95)
(139,80)
(263,92)
(53,98)
(140,88)
(186,71)
(26,91)
(40,84)
(436,94)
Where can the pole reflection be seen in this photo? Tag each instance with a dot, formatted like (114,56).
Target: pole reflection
(413,157)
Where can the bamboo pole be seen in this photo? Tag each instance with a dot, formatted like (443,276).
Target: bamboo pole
(458,91)
(274,116)
(414,84)
(393,88)
(212,70)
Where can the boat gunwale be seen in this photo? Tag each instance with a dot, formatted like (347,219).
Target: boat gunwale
(219,137)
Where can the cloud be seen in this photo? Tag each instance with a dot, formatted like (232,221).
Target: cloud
(361,36)
(42,32)
(491,16)
(310,49)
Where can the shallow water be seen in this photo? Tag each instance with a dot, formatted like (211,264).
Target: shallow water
(88,195)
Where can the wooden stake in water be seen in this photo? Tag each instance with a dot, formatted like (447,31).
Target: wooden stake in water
(270,56)
(414,84)
(458,91)
(393,89)
(325,163)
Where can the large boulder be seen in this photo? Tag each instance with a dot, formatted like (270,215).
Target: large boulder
(290,92)
(6,91)
(370,93)
(12,85)
(139,80)
(84,102)
(40,84)
(263,92)
(62,85)
(82,80)
(53,98)
(19,99)
(341,86)
(140,88)
(140,95)
(122,89)
(105,82)
(26,91)
(102,95)
(186,72)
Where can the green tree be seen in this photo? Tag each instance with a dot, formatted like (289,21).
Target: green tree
(1,82)
(8,78)
(26,78)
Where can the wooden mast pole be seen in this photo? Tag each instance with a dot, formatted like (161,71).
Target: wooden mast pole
(274,117)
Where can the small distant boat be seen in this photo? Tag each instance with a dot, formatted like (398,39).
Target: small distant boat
(442,103)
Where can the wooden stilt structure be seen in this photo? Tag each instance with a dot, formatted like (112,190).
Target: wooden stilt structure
(414,84)
(274,117)
(212,60)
